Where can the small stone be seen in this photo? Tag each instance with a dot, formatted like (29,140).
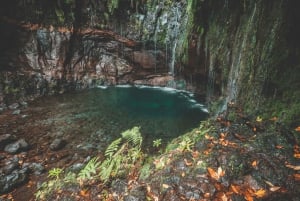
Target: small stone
(8,182)
(16,112)
(14,106)
(136,194)
(10,166)
(6,139)
(76,167)
(24,104)
(16,146)
(37,168)
(57,144)
(192,195)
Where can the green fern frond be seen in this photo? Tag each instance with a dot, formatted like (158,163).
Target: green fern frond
(112,148)
(133,136)
(105,170)
(90,169)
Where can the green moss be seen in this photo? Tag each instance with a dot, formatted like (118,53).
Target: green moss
(112,5)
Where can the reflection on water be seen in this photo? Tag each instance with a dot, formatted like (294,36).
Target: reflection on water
(97,116)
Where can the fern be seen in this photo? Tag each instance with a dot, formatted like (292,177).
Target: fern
(55,173)
(121,157)
(90,169)
(133,136)
(112,148)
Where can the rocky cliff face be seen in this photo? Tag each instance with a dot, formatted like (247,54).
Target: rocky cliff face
(230,50)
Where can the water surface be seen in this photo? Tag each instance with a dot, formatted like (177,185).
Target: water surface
(95,117)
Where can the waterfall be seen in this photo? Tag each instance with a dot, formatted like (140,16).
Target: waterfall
(237,63)
(174,42)
(166,50)
(155,45)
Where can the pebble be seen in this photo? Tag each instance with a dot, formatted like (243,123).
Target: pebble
(16,112)
(57,144)
(14,106)
(16,146)
(36,168)
(5,139)
(10,181)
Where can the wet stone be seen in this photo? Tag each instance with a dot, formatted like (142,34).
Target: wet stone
(136,194)
(36,168)
(192,195)
(24,104)
(14,106)
(57,144)
(180,165)
(5,139)
(16,146)
(76,167)
(16,112)
(8,182)
(10,166)
(119,186)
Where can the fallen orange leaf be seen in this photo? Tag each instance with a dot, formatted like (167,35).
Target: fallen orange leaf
(208,137)
(260,193)
(254,164)
(274,188)
(297,129)
(297,177)
(221,173)
(195,154)
(221,196)
(206,195)
(279,147)
(223,135)
(84,193)
(236,189)
(297,155)
(216,175)
(213,174)
(248,197)
(269,183)
(274,119)
(187,163)
(293,167)
(240,137)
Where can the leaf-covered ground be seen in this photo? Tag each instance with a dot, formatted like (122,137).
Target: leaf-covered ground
(231,157)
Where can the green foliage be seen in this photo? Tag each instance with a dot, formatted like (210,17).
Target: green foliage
(55,173)
(121,157)
(47,188)
(145,171)
(60,15)
(112,148)
(186,144)
(133,136)
(112,5)
(50,186)
(187,141)
(183,50)
(90,169)
(156,143)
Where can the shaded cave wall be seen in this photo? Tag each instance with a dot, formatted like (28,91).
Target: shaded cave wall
(238,51)
(250,57)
